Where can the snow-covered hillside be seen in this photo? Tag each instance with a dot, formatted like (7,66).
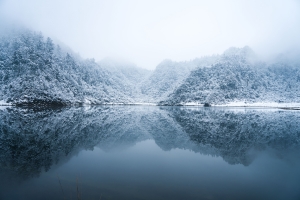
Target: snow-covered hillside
(35,71)
(129,75)
(169,75)
(237,76)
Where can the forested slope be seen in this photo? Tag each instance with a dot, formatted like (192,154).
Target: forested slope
(237,77)
(35,71)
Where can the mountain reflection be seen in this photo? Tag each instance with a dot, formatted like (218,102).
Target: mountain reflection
(33,140)
(235,132)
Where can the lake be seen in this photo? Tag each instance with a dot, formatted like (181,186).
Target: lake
(149,152)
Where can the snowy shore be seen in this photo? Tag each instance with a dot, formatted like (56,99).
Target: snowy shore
(292,106)
(3,103)
(295,106)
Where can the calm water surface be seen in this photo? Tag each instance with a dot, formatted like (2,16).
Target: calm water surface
(140,152)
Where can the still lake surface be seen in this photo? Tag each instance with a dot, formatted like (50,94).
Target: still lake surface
(148,152)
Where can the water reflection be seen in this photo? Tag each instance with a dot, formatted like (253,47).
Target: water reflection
(233,133)
(34,141)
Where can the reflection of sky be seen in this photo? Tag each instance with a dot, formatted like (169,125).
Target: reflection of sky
(146,171)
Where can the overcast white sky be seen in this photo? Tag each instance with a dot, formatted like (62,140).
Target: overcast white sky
(149,31)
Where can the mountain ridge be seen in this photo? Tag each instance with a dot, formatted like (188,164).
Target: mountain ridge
(35,71)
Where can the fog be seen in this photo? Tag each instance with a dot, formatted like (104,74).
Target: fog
(147,32)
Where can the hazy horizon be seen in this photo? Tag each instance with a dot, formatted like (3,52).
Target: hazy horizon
(147,32)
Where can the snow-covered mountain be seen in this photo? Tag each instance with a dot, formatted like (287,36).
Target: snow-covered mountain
(238,76)
(128,74)
(35,71)
(169,75)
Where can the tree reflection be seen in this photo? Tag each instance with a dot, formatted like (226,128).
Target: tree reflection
(33,140)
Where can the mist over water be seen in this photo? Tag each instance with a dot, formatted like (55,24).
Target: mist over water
(135,152)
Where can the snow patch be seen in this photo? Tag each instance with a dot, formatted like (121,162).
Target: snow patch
(86,101)
(192,104)
(128,104)
(144,104)
(244,104)
(261,104)
(3,103)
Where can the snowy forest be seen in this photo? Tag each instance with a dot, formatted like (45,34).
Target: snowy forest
(36,71)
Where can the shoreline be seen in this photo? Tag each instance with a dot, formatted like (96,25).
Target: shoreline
(261,105)
(235,104)
(283,106)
